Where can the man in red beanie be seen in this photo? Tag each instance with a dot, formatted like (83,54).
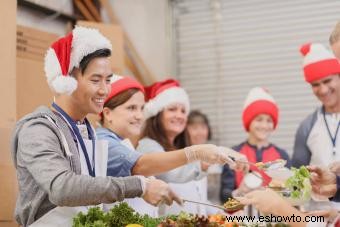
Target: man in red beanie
(317,140)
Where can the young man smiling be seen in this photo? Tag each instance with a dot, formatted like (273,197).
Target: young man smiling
(317,140)
(60,163)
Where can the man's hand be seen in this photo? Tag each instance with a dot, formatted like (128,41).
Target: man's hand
(323,181)
(157,192)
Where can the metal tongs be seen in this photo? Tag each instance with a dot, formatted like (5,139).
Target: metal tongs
(271,165)
(227,210)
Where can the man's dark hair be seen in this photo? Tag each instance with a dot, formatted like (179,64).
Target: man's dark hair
(88,58)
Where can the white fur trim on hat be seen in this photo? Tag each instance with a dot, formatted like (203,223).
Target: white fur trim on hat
(86,41)
(165,98)
(257,93)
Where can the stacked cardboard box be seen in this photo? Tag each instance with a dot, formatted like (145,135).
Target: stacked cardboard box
(31,86)
(7,110)
(23,88)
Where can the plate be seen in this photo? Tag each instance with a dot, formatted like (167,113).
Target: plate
(281,174)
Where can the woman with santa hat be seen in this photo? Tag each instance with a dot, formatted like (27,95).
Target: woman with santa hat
(166,111)
(122,119)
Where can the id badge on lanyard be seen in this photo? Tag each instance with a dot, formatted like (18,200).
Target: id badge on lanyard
(80,141)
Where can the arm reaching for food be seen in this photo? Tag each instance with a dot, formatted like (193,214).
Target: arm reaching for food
(217,155)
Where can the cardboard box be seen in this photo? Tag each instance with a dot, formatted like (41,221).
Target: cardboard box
(7,63)
(8,192)
(8,189)
(32,43)
(23,88)
(32,88)
(115,34)
(8,224)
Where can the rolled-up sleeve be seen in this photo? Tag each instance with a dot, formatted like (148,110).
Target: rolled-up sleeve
(121,160)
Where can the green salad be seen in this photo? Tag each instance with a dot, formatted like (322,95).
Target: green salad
(120,215)
(299,184)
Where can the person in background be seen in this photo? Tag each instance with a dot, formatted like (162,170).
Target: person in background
(260,118)
(55,150)
(334,40)
(317,141)
(122,119)
(166,112)
(197,131)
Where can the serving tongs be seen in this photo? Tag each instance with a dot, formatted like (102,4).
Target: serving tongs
(225,209)
(271,165)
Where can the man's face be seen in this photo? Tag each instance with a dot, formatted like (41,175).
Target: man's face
(336,49)
(327,90)
(93,86)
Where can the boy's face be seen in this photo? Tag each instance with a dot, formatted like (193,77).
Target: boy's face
(261,127)
(327,90)
(93,86)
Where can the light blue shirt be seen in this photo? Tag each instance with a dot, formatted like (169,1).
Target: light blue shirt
(121,159)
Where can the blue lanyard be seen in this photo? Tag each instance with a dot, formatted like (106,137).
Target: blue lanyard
(333,139)
(76,133)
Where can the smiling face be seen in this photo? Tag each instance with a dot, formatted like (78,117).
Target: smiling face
(261,128)
(93,86)
(174,119)
(126,119)
(327,90)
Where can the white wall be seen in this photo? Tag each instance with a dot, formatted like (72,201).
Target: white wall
(147,23)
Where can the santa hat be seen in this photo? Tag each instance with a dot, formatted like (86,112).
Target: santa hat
(67,52)
(120,84)
(162,94)
(318,62)
(259,101)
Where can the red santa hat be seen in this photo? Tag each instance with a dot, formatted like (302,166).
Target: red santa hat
(259,101)
(318,62)
(67,52)
(121,83)
(162,94)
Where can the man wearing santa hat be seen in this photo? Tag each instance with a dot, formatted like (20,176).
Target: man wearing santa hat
(317,140)
(60,163)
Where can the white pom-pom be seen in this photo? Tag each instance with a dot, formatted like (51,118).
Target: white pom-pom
(64,84)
